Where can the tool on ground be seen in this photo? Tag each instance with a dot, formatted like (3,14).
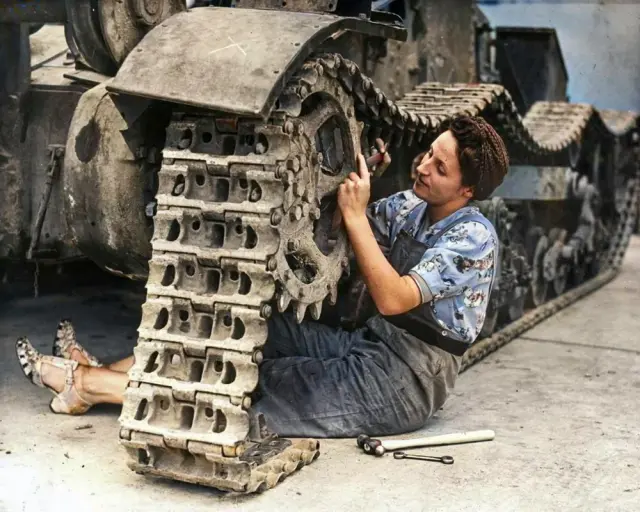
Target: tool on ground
(445,459)
(378,447)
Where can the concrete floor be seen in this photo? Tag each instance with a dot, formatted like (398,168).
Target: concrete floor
(563,401)
(47,42)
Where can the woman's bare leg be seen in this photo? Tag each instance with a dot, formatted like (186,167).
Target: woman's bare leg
(121,366)
(94,385)
(101,385)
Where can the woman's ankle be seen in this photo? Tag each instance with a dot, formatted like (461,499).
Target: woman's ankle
(77,355)
(100,385)
(82,383)
(52,376)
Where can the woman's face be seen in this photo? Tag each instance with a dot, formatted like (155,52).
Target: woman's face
(438,176)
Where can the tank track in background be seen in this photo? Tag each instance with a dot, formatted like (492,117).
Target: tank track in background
(613,260)
(239,228)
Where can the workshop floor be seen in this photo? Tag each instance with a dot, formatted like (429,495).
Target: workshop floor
(563,401)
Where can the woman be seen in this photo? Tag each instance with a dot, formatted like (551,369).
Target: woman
(428,258)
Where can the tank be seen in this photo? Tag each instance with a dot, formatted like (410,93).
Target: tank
(200,149)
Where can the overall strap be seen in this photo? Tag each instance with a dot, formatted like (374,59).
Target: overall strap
(416,216)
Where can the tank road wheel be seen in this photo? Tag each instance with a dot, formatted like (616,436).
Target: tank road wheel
(124,24)
(83,26)
(537,245)
(515,308)
(556,270)
(578,268)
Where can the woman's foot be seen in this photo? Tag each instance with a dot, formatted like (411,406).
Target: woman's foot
(54,373)
(66,346)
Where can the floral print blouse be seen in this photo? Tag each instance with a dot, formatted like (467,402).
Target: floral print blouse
(455,275)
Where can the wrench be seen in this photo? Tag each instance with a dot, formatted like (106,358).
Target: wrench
(445,459)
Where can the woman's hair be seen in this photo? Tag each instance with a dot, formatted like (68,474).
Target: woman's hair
(482,154)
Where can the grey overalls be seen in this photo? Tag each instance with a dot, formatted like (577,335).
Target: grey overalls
(387,377)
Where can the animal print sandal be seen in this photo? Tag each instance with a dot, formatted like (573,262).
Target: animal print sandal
(65,343)
(68,401)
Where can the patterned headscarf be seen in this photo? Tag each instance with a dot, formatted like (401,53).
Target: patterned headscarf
(482,154)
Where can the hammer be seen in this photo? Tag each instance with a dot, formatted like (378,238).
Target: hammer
(374,160)
(378,448)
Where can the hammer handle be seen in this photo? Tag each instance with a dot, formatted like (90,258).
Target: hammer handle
(460,438)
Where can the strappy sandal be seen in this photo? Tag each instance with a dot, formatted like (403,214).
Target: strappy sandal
(68,401)
(65,343)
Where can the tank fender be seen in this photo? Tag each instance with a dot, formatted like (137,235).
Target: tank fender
(231,60)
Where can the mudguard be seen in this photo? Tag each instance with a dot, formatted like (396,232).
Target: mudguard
(228,59)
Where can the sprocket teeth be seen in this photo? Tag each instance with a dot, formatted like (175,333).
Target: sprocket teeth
(301,309)
(283,301)
(333,295)
(316,310)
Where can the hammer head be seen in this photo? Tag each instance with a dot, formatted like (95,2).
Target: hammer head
(362,439)
(373,447)
(370,446)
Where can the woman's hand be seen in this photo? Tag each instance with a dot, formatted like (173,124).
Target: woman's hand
(354,192)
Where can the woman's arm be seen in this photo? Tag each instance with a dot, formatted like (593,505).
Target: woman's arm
(393,294)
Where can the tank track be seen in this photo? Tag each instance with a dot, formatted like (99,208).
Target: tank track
(236,206)
(613,261)
(240,202)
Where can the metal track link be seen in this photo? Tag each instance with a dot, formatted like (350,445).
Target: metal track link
(160,456)
(238,202)
(548,128)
